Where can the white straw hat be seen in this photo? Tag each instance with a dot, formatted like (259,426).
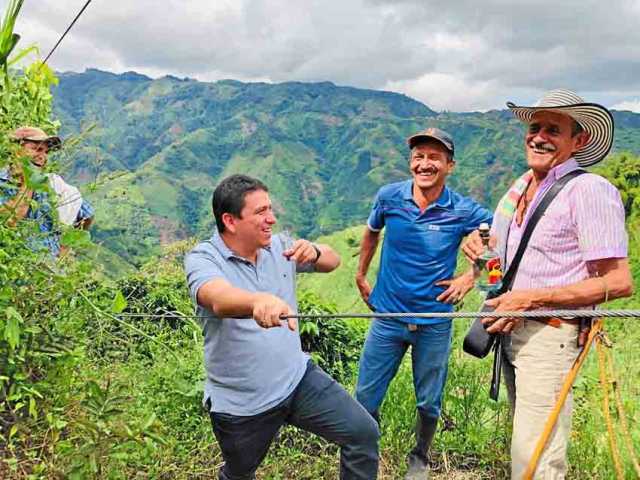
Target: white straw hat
(593,118)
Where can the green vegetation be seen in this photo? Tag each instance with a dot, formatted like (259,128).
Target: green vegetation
(101,364)
(149,372)
(159,147)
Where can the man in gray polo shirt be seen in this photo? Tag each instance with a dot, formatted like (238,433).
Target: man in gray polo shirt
(258,378)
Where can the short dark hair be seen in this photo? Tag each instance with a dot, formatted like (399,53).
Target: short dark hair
(228,197)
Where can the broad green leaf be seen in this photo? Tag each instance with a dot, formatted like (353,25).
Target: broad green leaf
(93,462)
(21,54)
(95,391)
(75,238)
(120,455)
(156,437)
(12,327)
(119,303)
(33,412)
(36,180)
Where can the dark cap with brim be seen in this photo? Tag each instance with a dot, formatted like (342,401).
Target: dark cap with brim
(432,134)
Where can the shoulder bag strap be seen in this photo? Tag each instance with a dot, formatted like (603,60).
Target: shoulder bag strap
(509,277)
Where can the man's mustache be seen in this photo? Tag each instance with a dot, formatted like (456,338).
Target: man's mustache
(542,146)
(426,169)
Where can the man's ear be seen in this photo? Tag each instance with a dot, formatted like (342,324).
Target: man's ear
(451,164)
(582,139)
(229,222)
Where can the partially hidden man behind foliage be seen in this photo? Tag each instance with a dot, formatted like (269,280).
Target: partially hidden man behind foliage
(576,258)
(23,203)
(257,377)
(424,224)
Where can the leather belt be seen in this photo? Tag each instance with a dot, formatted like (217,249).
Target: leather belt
(557,322)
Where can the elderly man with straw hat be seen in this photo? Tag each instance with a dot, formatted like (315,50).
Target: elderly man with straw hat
(576,258)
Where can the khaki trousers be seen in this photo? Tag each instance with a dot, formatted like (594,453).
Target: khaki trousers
(539,358)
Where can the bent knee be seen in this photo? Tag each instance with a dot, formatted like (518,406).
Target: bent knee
(365,430)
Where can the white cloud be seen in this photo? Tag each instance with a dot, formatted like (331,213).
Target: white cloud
(631,105)
(449,92)
(461,55)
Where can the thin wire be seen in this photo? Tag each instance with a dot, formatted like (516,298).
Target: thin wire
(535,314)
(67,31)
(453,315)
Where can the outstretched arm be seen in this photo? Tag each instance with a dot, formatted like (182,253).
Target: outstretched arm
(225,300)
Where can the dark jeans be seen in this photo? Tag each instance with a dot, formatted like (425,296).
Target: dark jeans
(319,405)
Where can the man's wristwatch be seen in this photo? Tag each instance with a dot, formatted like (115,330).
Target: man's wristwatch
(318,252)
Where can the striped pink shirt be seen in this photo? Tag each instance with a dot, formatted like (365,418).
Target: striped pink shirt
(584,222)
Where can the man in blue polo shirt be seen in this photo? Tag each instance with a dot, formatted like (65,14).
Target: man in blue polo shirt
(425,222)
(257,376)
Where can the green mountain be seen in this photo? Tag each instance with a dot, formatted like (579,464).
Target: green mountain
(153,151)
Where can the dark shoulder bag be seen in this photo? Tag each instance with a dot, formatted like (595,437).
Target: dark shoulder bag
(477,341)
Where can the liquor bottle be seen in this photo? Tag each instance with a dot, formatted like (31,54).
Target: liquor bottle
(488,271)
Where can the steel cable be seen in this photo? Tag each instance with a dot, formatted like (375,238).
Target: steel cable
(452,315)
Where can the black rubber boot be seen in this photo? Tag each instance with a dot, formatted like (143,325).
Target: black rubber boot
(419,457)
(376,416)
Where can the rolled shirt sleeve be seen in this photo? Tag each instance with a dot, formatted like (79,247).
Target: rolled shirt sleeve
(375,222)
(86,211)
(478,215)
(599,217)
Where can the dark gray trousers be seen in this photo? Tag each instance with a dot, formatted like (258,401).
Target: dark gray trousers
(319,405)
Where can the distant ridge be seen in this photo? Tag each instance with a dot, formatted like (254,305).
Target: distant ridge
(323,149)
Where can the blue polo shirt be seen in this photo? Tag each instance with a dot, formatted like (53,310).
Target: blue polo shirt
(419,249)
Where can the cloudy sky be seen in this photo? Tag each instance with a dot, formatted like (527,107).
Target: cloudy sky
(457,55)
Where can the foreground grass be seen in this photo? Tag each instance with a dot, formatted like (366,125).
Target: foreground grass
(472,442)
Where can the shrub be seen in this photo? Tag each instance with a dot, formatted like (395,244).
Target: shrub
(333,343)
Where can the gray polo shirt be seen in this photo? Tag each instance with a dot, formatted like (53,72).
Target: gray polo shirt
(249,369)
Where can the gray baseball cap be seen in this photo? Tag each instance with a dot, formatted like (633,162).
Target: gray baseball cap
(432,133)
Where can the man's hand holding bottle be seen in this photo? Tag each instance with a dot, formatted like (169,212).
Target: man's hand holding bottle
(472,247)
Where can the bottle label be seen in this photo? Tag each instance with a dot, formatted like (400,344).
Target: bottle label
(494,271)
